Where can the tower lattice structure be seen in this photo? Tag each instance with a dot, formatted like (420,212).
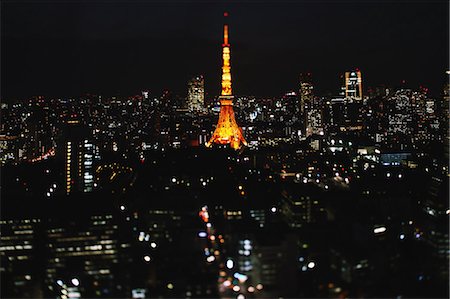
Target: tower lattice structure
(227,131)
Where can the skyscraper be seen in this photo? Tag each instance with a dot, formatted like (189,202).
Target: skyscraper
(310,107)
(353,85)
(78,158)
(306,91)
(227,131)
(196,94)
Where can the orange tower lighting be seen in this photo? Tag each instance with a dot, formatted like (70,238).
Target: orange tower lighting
(227,130)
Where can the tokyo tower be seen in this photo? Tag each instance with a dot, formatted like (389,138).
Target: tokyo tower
(227,130)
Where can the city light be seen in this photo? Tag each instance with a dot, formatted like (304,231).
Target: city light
(120,148)
(75,282)
(230,264)
(379,230)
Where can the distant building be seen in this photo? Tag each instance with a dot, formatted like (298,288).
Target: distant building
(196,94)
(353,85)
(310,107)
(306,91)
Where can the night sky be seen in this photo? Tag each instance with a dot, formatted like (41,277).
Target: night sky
(73,47)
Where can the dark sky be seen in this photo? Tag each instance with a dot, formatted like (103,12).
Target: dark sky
(68,48)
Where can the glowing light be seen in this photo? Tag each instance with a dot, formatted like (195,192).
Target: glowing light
(170,286)
(210,259)
(153,245)
(208,225)
(402,236)
(122,208)
(240,277)
(273,209)
(240,296)
(259,286)
(236,288)
(251,289)
(227,131)
(311,265)
(75,282)
(202,234)
(204,214)
(227,283)
(379,230)
(230,264)
(59,282)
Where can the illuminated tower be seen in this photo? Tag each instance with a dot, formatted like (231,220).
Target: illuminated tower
(353,85)
(227,131)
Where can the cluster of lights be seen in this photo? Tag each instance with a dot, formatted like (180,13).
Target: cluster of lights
(69,292)
(49,153)
(68,166)
(143,237)
(51,190)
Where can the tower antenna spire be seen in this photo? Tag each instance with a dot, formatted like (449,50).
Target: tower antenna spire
(225,31)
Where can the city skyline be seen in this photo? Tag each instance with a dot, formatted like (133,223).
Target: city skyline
(189,194)
(100,46)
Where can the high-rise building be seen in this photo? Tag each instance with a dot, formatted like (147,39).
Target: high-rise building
(18,257)
(310,107)
(353,85)
(78,159)
(227,131)
(306,91)
(196,94)
(444,108)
